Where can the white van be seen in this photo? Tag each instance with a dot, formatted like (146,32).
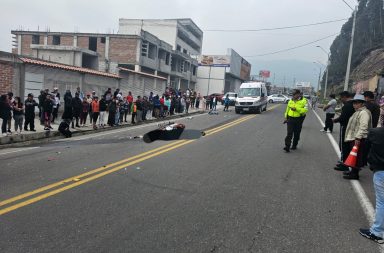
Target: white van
(252,97)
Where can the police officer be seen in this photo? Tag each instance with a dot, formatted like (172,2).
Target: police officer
(304,102)
(294,116)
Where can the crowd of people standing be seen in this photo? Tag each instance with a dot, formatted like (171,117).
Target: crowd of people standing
(111,108)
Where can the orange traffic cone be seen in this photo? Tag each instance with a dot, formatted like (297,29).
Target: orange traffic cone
(352,158)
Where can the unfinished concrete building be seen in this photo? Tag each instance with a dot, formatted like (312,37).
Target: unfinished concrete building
(140,53)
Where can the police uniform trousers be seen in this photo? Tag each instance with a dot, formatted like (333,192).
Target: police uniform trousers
(294,126)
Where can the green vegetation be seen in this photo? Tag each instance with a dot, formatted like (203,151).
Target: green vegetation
(369,35)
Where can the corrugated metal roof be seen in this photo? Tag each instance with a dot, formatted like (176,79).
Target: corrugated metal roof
(68,67)
(143,73)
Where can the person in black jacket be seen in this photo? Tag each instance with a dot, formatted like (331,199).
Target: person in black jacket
(30,104)
(372,106)
(5,110)
(77,106)
(41,99)
(112,108)
(346,112)
(68,114)
(376,161)
(47,109)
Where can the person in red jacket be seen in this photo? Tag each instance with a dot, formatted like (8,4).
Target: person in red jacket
(130,102)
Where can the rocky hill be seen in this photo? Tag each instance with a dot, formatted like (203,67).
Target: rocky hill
(368,44)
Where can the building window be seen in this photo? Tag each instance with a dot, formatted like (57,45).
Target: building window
(181,67)
(178,48)
(194,70)
(144,49)
(92,45)
(35,39)
(152,51)
(185,51)
(55,40)
(167,58)
(102,40)
(187,66)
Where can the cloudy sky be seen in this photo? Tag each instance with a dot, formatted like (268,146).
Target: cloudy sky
(102,16)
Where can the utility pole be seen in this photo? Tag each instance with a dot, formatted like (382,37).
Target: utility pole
(326,80)
(209,79)
(346,84)
(318,83)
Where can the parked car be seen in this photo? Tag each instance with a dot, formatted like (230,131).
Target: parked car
(219,97)
(278,98)
(232,98)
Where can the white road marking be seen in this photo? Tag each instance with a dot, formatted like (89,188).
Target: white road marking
(18,150)
(364,201)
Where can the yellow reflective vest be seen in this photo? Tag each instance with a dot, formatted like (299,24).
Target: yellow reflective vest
(301,108)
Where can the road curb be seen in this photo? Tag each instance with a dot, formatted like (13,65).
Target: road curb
(45,137)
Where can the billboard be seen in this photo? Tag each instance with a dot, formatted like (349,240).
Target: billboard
(214,60)
(265,73)
(245,70)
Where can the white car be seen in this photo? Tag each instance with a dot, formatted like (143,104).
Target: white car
(278,98)
(232,97)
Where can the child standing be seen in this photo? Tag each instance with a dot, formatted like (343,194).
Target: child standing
(134,112)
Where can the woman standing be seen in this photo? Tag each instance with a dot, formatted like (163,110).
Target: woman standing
(112,112)
(18,114)
(84,112)
(356,134)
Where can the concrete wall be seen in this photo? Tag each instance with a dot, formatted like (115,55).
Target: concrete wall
(216,80)
(64,57)
(232,84)
(70,80)
(164,30)
(141,85)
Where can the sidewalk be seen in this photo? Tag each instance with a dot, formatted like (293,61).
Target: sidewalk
(28,136)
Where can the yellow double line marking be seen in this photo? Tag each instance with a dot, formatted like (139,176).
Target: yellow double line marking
(75,181)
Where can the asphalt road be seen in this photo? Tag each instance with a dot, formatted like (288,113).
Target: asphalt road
(233,190)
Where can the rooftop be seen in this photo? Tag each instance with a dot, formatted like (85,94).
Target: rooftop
(67,67)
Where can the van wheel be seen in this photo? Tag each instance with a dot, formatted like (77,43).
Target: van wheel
(265,108)
(259,110)
(270,101)
(237,111)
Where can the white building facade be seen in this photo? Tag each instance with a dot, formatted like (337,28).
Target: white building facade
(222,73)
(185,38)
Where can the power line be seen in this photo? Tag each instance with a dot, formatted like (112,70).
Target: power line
(275,28)
(348,5)
(292,48)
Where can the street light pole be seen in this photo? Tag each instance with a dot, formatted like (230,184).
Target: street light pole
(346,84)
(326,74)
(326,80)
(319,81)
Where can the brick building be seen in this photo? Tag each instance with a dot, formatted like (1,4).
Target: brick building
(146,56)
(23,75)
